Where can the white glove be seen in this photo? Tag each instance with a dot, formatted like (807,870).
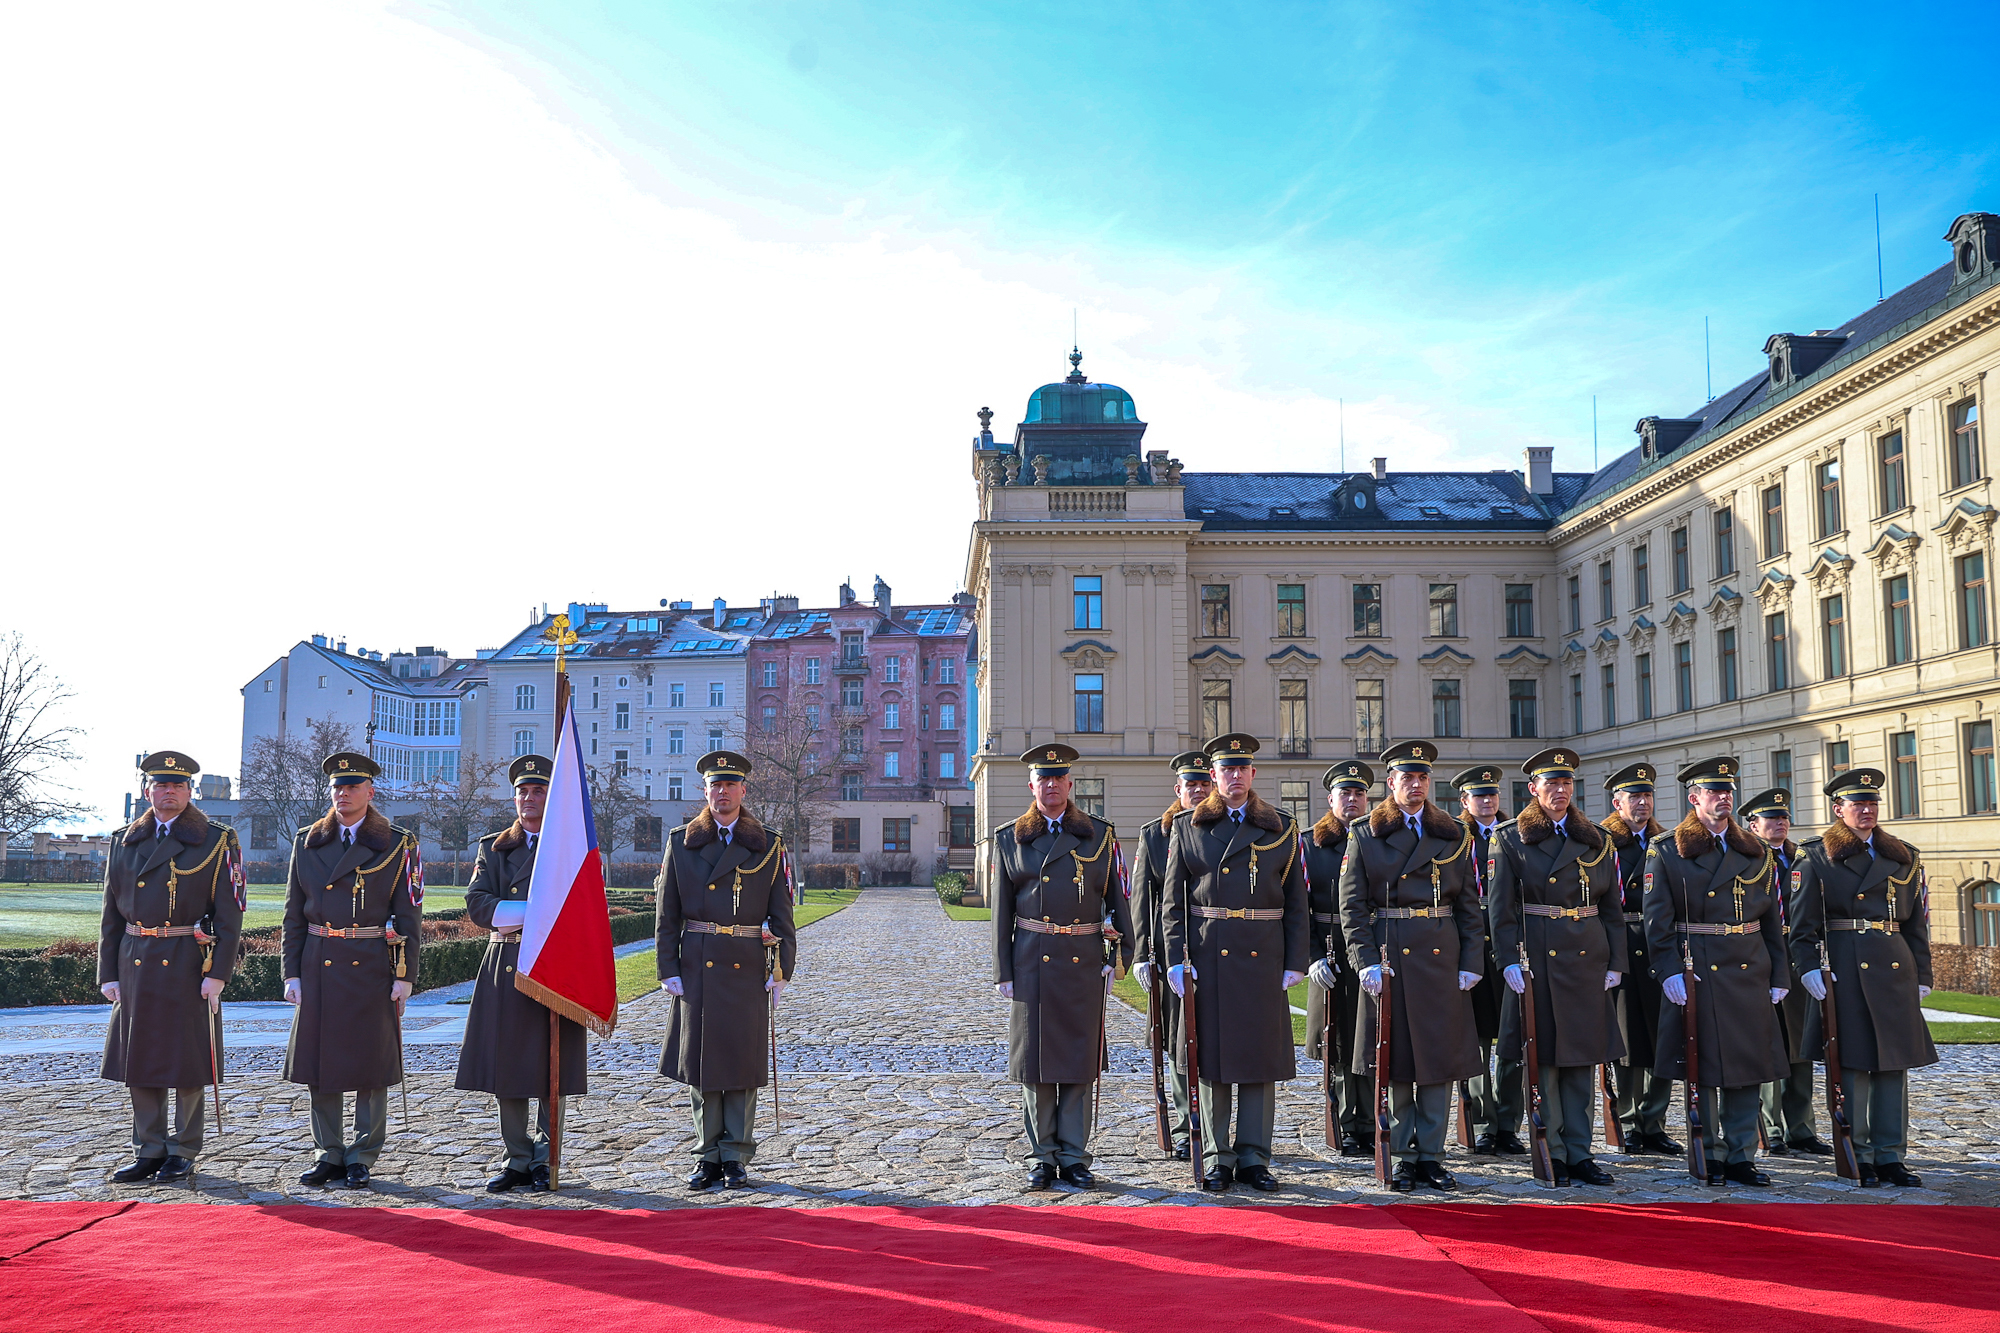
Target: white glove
(291,990)
(1515,981)
(776,988)
(672,986)
(1143,974)
(1175,981)
(211,990)
(1323,974)
(1005,990)
(1815,984)
(1611,980)
(1675,988)
(400,991)
(1923,992)
(1371,979)
(1293,978)
(1467,980)
(1778,994)
(110,989)
(510,916)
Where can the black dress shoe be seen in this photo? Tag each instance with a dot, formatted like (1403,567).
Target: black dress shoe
(1352,1146)
(1436,1176)
(1665,1145)
(1509,1145)
(1484,1146)
(1041,1177)
(1258,1178)
(1180,1152)
(1869,1180)
(1815,1145)
(538,1179)
(324,1173)
(1744,1173)
(734,1177)
(1588,1172)
(1218,1180)
(1405,1179)
(1891,1173)
(1559,1174)
(143,1169)
(706,1176)
(1716,1176)
(1079,1175)
(357,1176)
(1776,1150)
(507,1180)
(176,1168)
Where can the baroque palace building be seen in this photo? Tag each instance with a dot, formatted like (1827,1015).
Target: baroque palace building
(1796,573)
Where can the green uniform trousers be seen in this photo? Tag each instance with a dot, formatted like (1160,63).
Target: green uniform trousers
(329,1127)
(1056,1117)
(1733,1136)
(1177,1097)
(1643,1099)
(1353,1104)
(1418,1114)
(1788,1107)
(1494,1100)
(725,1122)
(151,1136)
(527,1143)
(1255,1124)
(1569,1097)
(1877,1114)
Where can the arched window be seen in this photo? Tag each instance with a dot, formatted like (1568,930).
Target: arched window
(524,739)
(1986,915)
(524,698)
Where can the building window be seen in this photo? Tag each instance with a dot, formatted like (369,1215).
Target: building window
(1725,658)
(1683,564)
(947,717)
(948,672)
(524,743)
(1969,571)
(1826,480)
(1777,653)
(1643,670)
(524,698)
(850,646)
(646,831)
(649,698)
(1215,709)
(1444,610)
(1607,606)
(1576,702)
(1522,795)
(1090,703)
(1295,794)
(1833,635)
(1215,610)
(947,763)
(715,694)
(649,745)
(1293,737)
(1087,794)
(1642,574)
(1291,610)
(850,692)
(675,792)
(850,789)
(1965,463)
(1986,915)
(812,717)
(1521,724)
(1087,601)
(1889,472)
(676,695)
(892,670)
(770,719)
(1781,769)
(1683,677)
(812,673)
(676,740)
(847,834)
(1520,610)
(1371,718)
(1979,768)
(1445,721)
(1836,758)
(964,828)
(593,700)
(1368,610)
(1774,521)
(621,763)
(1896,615)
(1608,687)
(322,682)
(850,742)
(1725,543)
(621,717)
(714,738)
(770,676)
(896,835)
(1575,603)
(1903,778)
(892,763)
(267,687)
(892,717)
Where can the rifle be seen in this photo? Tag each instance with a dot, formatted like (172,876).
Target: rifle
(1384,1057)
(1330,1019)
(1697,1152)
(1156,1037)
(214,1025)
(1109,936)
(771,1003)
(1195,1147)
(1614,1133)
(1531,1072)
(1844,1163)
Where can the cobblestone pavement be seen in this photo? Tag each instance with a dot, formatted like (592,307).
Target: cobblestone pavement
(893,1092)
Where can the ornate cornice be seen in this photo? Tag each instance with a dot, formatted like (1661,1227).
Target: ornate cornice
(1895,550)
(1725,605)
(1828,573)
(1967,527)
(1774,592)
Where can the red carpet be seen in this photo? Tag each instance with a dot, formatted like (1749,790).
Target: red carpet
(1766,1269)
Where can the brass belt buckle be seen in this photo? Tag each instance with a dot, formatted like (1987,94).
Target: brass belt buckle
(1236,913)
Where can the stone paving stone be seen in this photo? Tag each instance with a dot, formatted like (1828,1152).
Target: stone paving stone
(893,1090)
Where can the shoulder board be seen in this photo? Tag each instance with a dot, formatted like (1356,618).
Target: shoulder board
(1816,840)
(491,836)
(401,832)
(681,829)
(307,829)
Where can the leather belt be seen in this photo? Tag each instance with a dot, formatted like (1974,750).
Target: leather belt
(346,932)
(1856,923)
(1702,928)
(1050,928)
(711,928)
(160,932)
(1326,917)
(1405,913)
(1240,913)
(502,936)
(1563,913)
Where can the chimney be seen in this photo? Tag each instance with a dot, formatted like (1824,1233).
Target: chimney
(1381,468)
(1541,472)
(721,613)
(847,594)
(883,602)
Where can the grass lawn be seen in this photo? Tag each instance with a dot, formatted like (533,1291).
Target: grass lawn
(33,916)
(638,972)
(1956,1002)
(1128,989)
(1962,1034)
(957,913)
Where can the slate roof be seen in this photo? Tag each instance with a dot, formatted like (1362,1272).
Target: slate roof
(1496,500)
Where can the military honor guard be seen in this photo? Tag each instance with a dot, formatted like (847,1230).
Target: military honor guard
(353,915)
(1492,1096)
(1713,914)
(1409,904)
(1192,784)
(173,910)
(1559,930)
(1787,1116)
(726,947)
(1236,923)
(1642,1097)
(1861,929)
(1336,986)
(506,1048)
(1056,887)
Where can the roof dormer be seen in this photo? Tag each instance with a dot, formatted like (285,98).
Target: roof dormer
(1660,436)
(1975,246)
(1797,355)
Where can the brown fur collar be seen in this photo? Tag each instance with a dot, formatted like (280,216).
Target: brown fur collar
(702,830)
(374,832)
(1330,829)
(1534,825)
(1167,819)
(1692,838)
(1621,832)
(1256,811)
(1841,842)
(511,837)
(1034,823)
(190,827)
(1382,821)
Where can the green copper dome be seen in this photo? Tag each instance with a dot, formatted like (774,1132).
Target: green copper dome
(1079,402)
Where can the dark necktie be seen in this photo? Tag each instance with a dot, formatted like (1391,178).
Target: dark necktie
(347,837)
(725,836)
(1411,822)
(159,830)
(1236,815)
(531,840)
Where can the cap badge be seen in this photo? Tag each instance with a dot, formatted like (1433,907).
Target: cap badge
(1052,754)
(1236,745)
(1722,768)
(169,762)
(1561,758)
(1867,779)
(343,763)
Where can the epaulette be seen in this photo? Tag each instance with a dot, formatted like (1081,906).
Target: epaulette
(494,834)
(402,832)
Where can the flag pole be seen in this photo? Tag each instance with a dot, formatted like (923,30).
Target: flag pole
(563,636)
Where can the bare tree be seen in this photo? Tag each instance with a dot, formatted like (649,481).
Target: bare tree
(615,806)
(458,812)
(281,779)
(32,743)
(794,784)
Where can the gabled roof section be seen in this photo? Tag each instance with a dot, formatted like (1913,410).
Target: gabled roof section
(1313,501)
(1368,652)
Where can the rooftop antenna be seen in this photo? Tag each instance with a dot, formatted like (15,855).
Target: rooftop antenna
(1593,432)
(1878,250)
(1341,408)
(1707,359)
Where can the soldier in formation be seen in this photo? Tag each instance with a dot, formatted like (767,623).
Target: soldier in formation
(1642,1097)
(1192,784)
(1335,985)
(1786,1120)
(1492,1096)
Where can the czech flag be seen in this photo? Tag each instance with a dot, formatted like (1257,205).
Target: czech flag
(566,959)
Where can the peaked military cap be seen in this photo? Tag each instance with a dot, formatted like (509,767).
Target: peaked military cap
(1232,751)
(722,766)
(1632,777)
(530,768)
(1717,774)
(1856,784)
(169,766)
(1558,761)
(347,768)
(1480,780)
(1410,756)
(1776,802)
(1050,761)
(1190,765)
(1348,773)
